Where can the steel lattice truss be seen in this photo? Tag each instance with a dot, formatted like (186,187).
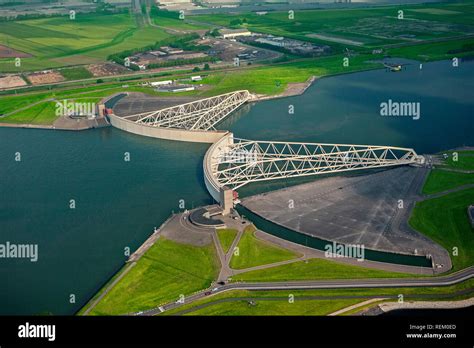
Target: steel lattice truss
(202,114)
(247,161)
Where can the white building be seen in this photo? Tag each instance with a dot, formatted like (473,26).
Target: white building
(233,33)
(161,83)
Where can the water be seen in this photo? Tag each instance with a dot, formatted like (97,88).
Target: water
(346,109)
(118,203)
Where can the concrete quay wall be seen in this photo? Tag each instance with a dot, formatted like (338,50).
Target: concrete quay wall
(196,136)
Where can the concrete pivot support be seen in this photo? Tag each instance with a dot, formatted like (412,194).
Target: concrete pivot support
(227,199)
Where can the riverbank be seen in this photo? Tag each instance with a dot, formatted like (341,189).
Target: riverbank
(66,123)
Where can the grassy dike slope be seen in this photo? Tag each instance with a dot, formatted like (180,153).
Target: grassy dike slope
(167,270)
(254,252)
(445,220)
(235,307)
(315,269)
(226,237)
(441,180)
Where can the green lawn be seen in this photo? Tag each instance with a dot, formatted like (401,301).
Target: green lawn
(94,94)
(445,220)
(465,160)
(276,307)
(314,269)
(255,252)
(167,270)
(226,237)
(76,73)
(441,180)
(408,293)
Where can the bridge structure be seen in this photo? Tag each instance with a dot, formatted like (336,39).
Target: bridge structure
(194,121)
(232,163)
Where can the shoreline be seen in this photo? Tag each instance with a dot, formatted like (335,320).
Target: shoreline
(291,90)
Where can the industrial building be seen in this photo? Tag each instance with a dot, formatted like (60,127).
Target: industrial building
(233,33)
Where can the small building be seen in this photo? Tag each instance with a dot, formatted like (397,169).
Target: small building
(233,33)
(161,83)
(196,78)
(470,212)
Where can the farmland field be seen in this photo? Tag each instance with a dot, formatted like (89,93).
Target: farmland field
(59,41)
(370,27)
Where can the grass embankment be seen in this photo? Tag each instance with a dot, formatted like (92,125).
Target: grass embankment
(276,307)
(167,270)
(254,252)
(464,160)
(241,307)
(24,112)
(441,180)
(226,237)
(314,269)
(445,220)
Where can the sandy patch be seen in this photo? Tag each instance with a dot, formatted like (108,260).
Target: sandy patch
(40,78)
(108,69)
(11,81)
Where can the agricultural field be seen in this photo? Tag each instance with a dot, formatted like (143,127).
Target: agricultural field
(60,41)
(359,27)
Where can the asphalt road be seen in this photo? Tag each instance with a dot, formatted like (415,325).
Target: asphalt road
(447,280)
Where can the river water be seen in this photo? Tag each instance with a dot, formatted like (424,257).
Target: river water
(119,202)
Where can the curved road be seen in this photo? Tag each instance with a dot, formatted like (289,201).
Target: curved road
(447,280)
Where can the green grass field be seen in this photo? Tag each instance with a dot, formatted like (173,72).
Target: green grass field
(464,160)
(441,180)
(254,252)
(59,41)
(314,269)
(167,270)
(226,237)
(236,309)
(76,73)
(276,307)
(445,220)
